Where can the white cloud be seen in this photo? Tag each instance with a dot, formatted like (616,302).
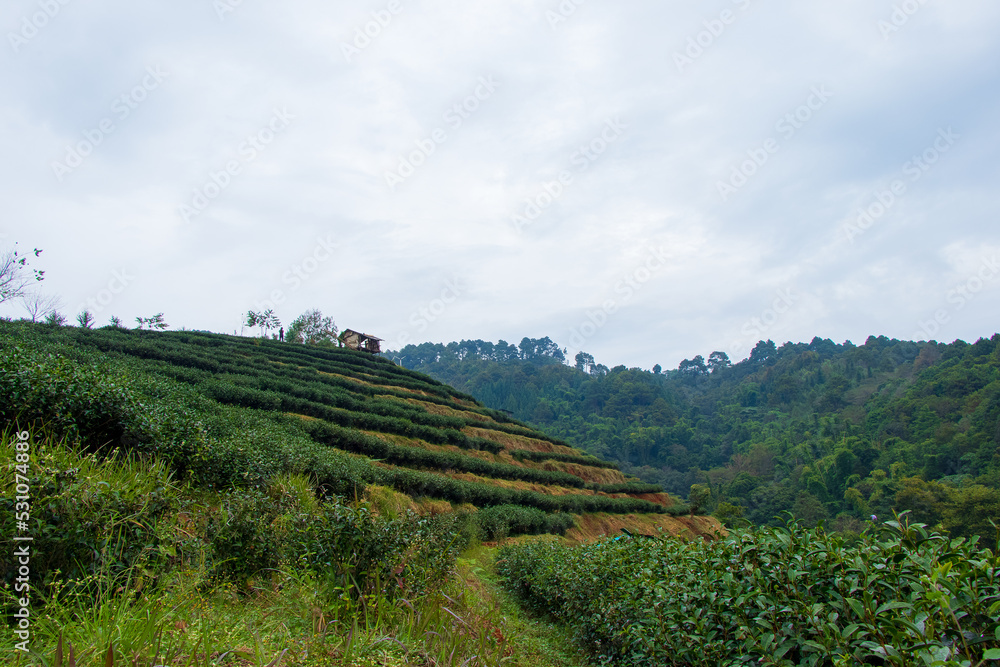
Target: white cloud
(557,86)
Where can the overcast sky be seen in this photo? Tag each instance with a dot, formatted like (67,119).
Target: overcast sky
(645,181)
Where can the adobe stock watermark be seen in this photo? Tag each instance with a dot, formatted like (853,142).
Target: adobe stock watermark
(31,25)
(562,13)
(901,15)
(959,297)
(454,118)
(248,150)
(913,170)
(21,561)
(422,317)
(755,328)
(625,290)
(700,42)
(582,159)
(122,107)
(366,34)
(96,304)
(787,126)
(300,272)
(224,7)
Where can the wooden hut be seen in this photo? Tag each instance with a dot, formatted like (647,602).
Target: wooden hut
(356,340)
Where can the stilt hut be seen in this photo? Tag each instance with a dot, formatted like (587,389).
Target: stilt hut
(362,342)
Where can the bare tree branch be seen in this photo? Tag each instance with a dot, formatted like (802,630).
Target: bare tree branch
(15,275)
(39,305)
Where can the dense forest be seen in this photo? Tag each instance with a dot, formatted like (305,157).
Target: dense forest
(827,431)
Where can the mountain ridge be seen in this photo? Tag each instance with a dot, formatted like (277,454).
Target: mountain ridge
(802,427)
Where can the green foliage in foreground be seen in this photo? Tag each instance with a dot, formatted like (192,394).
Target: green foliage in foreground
(97,522)
(898,595)
(94,519)
(129,568)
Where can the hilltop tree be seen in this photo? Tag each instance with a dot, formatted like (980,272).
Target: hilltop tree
(764,352)
(15,275)
(85,319)
(694,366)
(38,305)
(312,328)
(584,362)
(540,349)
(55,319)
(718,360)
(154,322)
(266,320)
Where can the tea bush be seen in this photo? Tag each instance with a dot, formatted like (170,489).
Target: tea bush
(777,596)
(593,462)
(416,457)
(91,519)
(499,521)
(79,402)
(626,487)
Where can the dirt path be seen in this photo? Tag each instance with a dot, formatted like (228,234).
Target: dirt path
(532,641)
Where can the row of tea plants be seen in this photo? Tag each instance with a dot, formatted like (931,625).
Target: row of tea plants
(898,594)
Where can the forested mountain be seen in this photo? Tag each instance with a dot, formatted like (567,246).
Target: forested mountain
(825,430)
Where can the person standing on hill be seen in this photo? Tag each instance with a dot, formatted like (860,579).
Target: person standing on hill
(281,334)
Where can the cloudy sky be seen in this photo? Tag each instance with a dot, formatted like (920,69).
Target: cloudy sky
(645,181)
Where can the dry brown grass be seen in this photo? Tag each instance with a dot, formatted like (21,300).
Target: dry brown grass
(511,441)
(302,417)
(548,489)
(586,473)
(591,527)
(664,499)
(436,409)
(376,385)
(405,441)
(386,501)
(426,506)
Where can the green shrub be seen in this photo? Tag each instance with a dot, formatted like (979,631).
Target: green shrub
(91,520)
(245,540)
(79,402)
(227,392)
(627,487)
(593,462)
(777,596)
(499,521)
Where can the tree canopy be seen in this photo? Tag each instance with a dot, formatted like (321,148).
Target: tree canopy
(312,328)
(830,431)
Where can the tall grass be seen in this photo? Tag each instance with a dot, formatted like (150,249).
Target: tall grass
(167,600)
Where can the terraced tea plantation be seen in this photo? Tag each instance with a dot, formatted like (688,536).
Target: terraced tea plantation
(317,500)
(346,418)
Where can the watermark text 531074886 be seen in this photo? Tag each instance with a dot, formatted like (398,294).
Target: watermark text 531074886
(22,547)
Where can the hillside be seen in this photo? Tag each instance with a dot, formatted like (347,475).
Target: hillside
(193,498)
(347,418)
(825,430)
(307,489)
